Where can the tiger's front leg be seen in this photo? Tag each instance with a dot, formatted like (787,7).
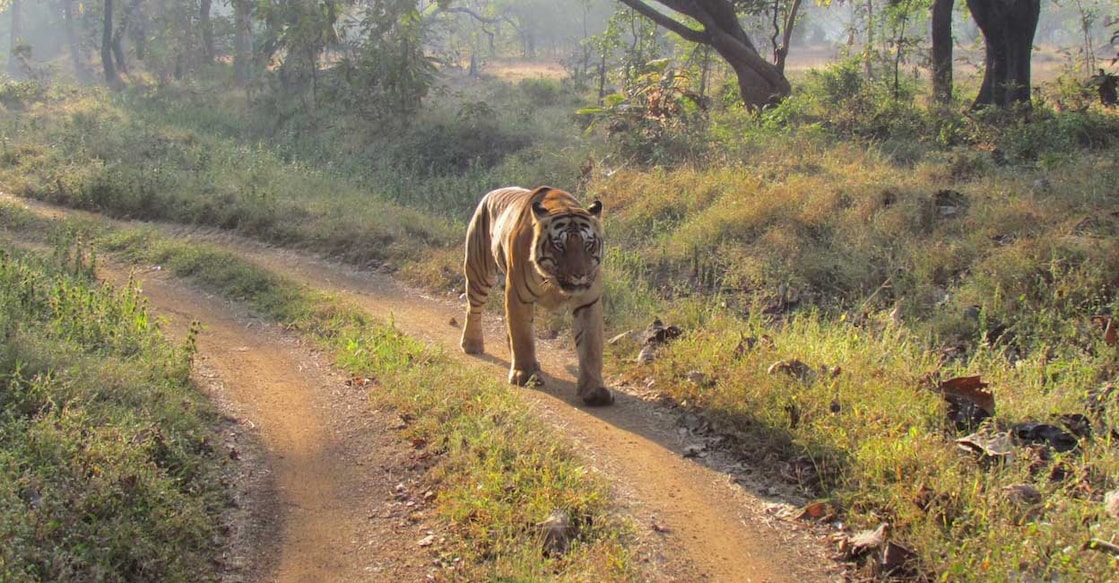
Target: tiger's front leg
(589,332)
(522,345)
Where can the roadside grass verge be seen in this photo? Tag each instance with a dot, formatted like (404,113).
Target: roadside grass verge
(108,464)
(86,150)
(498,472)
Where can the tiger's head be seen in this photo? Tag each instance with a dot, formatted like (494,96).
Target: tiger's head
(567,244)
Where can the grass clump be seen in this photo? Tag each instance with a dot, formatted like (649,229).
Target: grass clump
(107,465)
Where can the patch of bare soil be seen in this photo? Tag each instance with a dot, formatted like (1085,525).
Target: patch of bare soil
(333,466)
(322,483)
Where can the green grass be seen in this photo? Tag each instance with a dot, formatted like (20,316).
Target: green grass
(498,470)
(834,194)
(108,468)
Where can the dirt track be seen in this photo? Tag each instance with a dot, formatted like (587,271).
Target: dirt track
(332,462)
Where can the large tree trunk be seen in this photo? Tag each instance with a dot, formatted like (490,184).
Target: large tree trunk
(1008,28)
(111,76)
(759,81)
(118,53)
(136,22)
(942,50)
(781,50)
(118,39)
(242,41)
(207,32)
(80,72)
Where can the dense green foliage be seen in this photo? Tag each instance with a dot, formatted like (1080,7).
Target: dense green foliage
(108,469)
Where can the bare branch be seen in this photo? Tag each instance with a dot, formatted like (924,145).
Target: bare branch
(685,31)
(483,19)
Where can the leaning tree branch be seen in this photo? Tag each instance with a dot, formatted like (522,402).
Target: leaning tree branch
(483,19)
(686,32)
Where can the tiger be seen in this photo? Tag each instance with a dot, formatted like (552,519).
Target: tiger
(549,249)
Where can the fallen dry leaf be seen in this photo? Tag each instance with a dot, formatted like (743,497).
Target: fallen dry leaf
(860,543)
(1022,494)
(658,333)
(1045,434)
(619,337)
(1111,503)
(648,354)
(998,445)
(972,389)
(897,559)
(822,510)
(794,368)
(556,532)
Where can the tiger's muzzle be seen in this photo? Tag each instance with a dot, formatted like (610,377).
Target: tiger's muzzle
(575,284)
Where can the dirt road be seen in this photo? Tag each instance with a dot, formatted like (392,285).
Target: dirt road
(318,439)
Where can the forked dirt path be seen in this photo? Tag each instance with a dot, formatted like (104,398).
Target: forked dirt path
(695,520)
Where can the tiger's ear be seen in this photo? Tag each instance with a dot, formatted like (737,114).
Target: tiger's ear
(596,208)
(538,210)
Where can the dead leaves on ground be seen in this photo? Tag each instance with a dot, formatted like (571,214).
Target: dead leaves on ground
(556,532)
(873,550)
(656,336)
(820,511)
(969,402)
(972,389)
(360,382)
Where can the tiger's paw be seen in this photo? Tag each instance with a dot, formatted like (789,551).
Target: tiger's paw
(598,397)
(523,378)
(473,346)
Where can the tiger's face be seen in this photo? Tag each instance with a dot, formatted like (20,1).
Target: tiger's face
(567,246)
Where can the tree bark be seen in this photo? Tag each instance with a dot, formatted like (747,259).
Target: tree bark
(135,24)
(120,33)
(207,32)
(759,81)
(242,41)
(1008,28)
(787,35)
(118,53)
(111,76)
(942,50)
(80,72)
